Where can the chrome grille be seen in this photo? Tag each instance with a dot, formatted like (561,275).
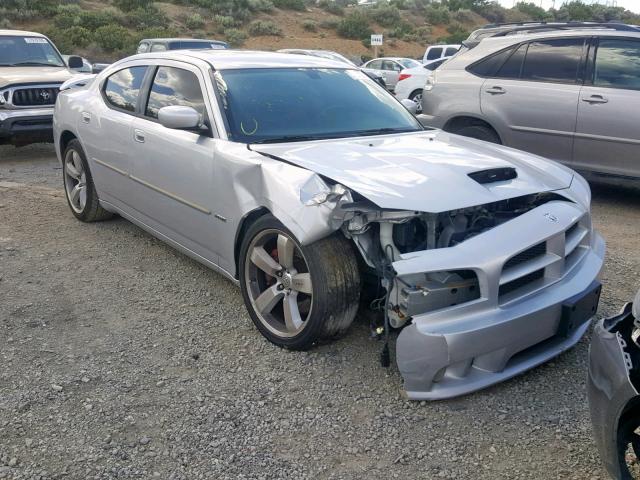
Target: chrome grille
(34,96)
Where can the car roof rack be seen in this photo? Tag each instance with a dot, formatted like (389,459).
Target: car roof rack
(504,30)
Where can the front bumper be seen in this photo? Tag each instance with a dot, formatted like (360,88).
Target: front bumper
(609,389)
(20,127)
(463,348)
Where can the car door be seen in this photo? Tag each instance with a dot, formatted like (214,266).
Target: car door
(391,72)
(532,98)
(174,169)
(106,129)
(607,132)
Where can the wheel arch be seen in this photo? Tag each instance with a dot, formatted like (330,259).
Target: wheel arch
(245,222)
(460,121)
(65,137)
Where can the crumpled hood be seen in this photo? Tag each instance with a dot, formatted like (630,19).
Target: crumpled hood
(21,75)
(425,171)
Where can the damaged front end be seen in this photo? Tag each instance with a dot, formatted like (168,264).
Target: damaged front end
(469,286)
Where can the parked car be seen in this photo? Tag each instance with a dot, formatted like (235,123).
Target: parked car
(613,385)
(411,81)
(542,93)
(391,66)
(436,52)
(307,184)
(377,75)
(31,71)
(163,44)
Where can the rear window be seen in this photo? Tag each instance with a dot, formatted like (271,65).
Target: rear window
(123,87)
(451,51)
(553,60)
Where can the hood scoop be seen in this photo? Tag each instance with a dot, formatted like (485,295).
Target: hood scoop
(494,175)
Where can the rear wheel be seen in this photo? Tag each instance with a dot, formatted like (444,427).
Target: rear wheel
(79,187)
(297,295)
(416,96)
(479,132)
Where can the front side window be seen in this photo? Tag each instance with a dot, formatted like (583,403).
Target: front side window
(174,86)
(618,64)
(434,53)
(390,66)
(556,60)
(264,105)
(123,87)
(28,51)
(375,64)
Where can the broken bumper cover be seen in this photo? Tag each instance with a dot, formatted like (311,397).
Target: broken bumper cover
(466,347)
(26,125)
(609,389)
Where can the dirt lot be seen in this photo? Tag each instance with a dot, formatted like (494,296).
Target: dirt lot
(121,358)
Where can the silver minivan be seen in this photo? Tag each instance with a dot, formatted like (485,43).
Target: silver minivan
(572,95)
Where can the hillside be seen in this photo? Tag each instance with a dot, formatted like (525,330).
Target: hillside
(110,29)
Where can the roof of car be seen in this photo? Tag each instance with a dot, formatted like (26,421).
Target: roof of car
(234,59)
(574,32)
(20,33)
(204,40)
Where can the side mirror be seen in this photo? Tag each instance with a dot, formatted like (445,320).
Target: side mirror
(410,105)
(179,117)
(75,62)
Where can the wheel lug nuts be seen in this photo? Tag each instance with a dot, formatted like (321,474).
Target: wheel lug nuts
(280,287)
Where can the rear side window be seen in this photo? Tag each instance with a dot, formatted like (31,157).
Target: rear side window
(143,48)
(490,65)
(434,53)
(555,60)
(376,64)
(158,47)
(618,64)
(174,86)
(512,67)
(123,87)
(450,51)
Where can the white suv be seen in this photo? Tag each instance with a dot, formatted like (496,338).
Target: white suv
(435,52)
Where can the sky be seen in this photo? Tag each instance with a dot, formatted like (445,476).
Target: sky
(633,5)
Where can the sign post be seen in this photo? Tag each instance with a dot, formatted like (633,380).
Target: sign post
(376,41)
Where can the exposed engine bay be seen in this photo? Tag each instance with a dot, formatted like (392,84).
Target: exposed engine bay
(384,236)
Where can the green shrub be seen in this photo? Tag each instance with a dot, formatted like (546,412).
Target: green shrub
(264,27)
(331,6)
(5,23)
(423,32)
(385,15)
(309,25)
(194,21)
(290,4)
(92,20)
(112,38)
(130,5)
(355,25)
(260,5)
(225,21)
(329,24)
(149,17)
(437,15)
(457,33)
(235,37)
(67,16)
(464,16)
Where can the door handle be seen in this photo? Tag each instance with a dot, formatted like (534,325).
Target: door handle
(138,136)
(595,99)
(496,91)
(86,117)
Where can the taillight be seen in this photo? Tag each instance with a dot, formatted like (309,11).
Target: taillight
(404,76)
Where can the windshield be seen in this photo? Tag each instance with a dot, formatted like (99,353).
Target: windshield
(27,51)
(409,63)
(263,105)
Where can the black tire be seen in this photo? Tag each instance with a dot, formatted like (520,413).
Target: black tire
(335,279)
(91,211)
(416,96)
(479,132)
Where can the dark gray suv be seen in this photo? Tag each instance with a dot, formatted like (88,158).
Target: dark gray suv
(569,94)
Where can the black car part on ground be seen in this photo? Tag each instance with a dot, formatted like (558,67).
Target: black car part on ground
(614,379)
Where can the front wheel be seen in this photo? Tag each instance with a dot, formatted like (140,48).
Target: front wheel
(297,295)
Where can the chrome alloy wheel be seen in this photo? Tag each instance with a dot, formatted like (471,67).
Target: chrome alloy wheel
(75,181)
(278,283)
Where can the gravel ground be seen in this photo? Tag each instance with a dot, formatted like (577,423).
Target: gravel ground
(121,358)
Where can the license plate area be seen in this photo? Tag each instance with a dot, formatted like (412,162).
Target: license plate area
(579,308)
